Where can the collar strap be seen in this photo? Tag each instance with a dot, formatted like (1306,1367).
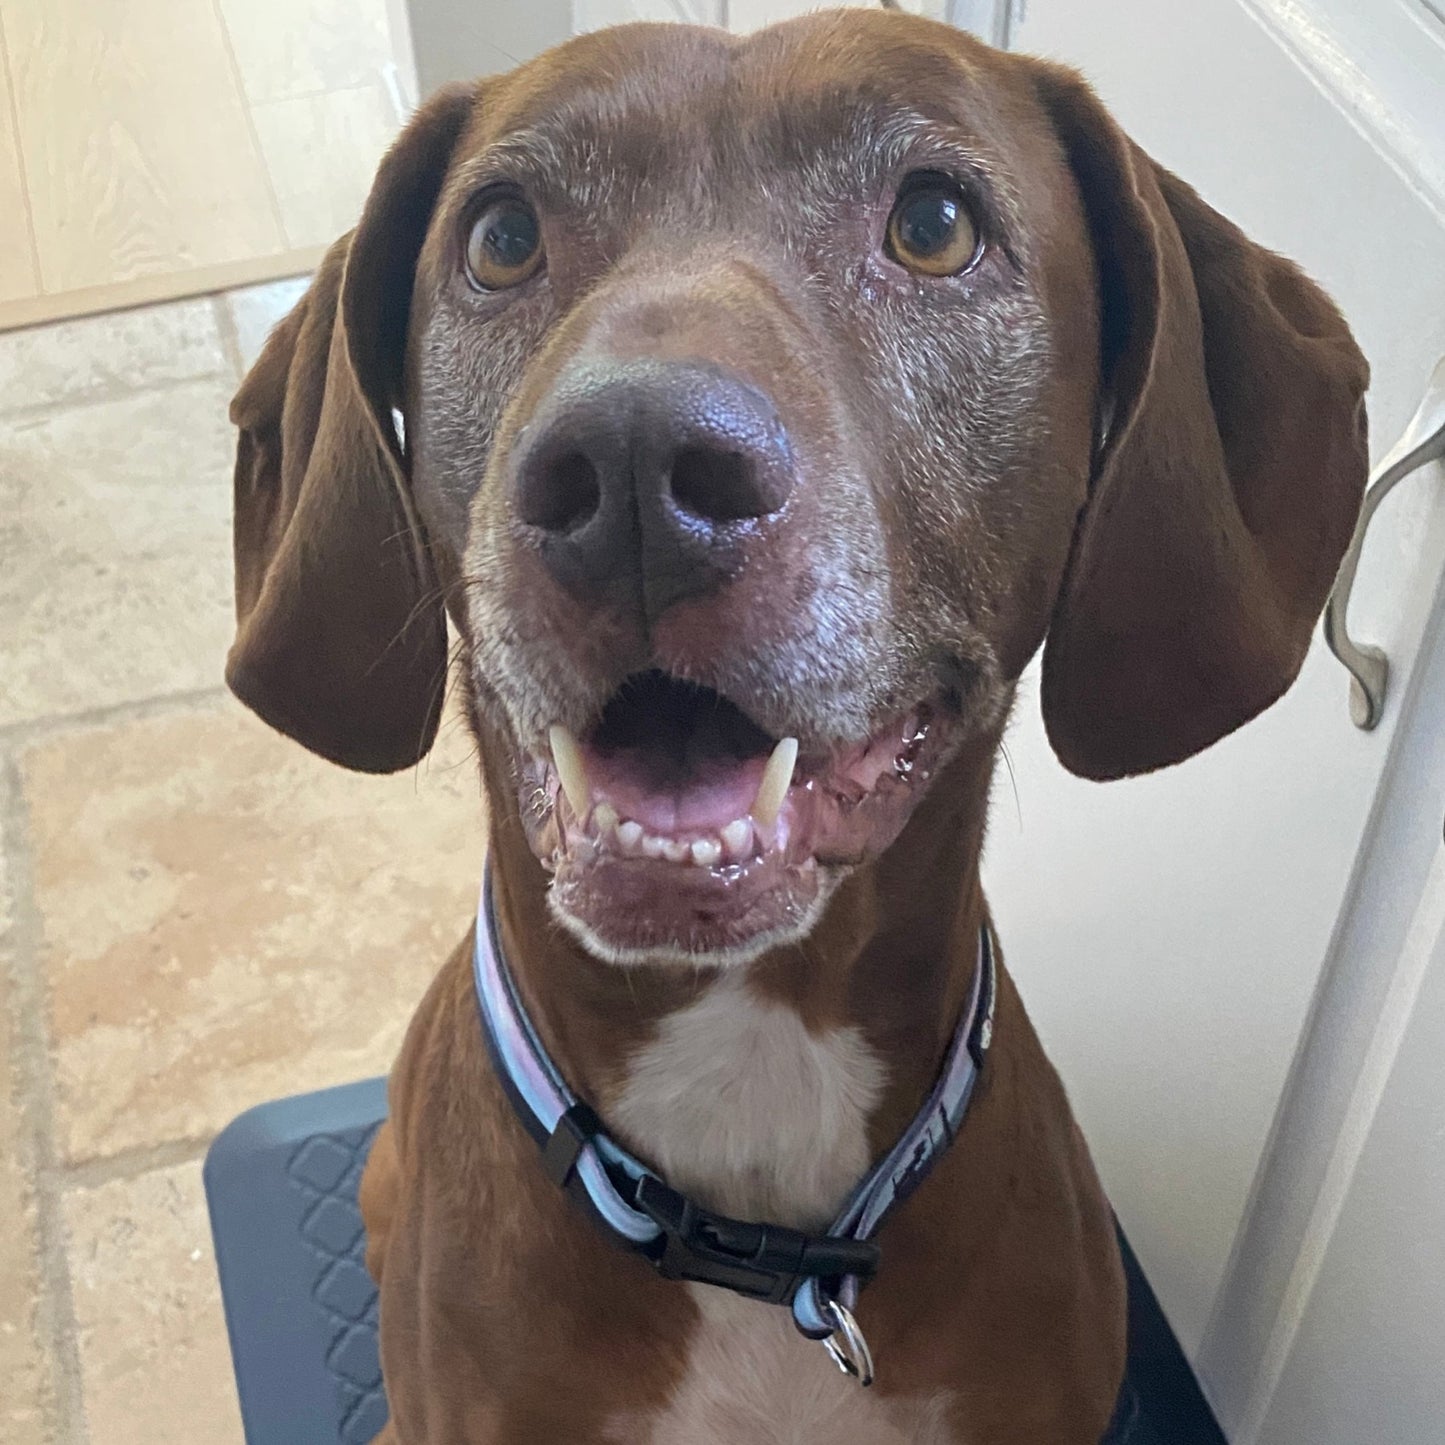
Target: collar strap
(819,1275)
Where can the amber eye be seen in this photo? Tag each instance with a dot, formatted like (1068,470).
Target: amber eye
(504,246)
(930,230)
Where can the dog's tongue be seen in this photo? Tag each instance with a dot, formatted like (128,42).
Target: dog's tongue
(675,758)
(699,792)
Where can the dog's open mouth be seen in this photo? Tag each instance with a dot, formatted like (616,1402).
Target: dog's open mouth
(677,827)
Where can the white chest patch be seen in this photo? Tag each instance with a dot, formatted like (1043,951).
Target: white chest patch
(741,1106)
(752,1379)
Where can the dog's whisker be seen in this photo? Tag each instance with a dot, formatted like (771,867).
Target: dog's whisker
(1008,763)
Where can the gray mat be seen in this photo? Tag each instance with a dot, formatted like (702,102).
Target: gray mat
(300,1307)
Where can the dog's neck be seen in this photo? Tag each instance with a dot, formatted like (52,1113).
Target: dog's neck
(766,1090)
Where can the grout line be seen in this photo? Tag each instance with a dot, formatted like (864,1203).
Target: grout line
(20,161)
(230,338)
(55,1306)
(129,1163)
(244,96)
(105,394)
(21,734)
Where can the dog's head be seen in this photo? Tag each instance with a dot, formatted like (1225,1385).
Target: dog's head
(758,407)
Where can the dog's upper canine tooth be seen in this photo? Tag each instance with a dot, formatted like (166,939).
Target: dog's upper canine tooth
(777,777)
(571,770)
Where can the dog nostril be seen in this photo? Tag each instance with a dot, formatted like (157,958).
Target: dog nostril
(566,499)
(717,486)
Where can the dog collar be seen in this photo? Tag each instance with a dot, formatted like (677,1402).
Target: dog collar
(817,1275)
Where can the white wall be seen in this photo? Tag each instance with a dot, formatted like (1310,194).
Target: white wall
(437,41)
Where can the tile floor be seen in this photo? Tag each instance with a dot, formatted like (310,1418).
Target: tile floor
(195,915)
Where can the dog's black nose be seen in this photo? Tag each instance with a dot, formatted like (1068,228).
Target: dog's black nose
(646,479)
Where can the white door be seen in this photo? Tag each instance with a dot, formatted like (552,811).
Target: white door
(1237,964)
(1332,1328)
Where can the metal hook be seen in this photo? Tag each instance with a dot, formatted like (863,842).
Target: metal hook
(1369,668)
(852,1356)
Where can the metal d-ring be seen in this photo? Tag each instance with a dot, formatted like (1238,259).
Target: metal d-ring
(852,1356)
(1369,668)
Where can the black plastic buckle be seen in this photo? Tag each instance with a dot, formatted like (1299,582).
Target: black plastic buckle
(762,1261)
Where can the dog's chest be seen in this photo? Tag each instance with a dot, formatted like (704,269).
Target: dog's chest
(751,1377)
(739,1104)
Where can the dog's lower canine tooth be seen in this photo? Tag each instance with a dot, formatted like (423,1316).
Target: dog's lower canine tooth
(571,770)
(629,836)
(776,778)
(604,816)
(737,839)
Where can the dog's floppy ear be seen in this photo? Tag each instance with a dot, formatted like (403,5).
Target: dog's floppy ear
(1228,486)
(341,634)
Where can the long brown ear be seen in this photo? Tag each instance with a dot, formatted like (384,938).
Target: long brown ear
(1228,487)
(341,634)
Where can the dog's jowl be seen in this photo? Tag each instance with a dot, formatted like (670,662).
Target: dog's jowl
(765,404)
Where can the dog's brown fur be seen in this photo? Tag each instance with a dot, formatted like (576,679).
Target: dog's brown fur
(1129,435)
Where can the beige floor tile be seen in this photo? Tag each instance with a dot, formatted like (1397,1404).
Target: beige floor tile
(229,919)
(155,1366)
(98,356)
(139,157)
(255,310)
(322,152)
(290,48)
(24,1373)
(115,530)
(19,274)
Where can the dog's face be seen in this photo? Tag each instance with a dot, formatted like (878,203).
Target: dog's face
(752,395)
(744,390)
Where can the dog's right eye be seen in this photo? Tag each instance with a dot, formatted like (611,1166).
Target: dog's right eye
(504,246)
(931,231)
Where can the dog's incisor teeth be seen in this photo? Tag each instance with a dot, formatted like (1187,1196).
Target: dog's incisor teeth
(706,852)
(629,836)
(776,778)
(571,770)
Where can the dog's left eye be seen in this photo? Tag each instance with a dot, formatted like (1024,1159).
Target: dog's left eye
(931,231)
(504,246)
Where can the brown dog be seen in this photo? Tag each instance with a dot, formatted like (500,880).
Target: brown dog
(758,407)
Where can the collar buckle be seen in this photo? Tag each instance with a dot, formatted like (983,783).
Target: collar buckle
(762,1261)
